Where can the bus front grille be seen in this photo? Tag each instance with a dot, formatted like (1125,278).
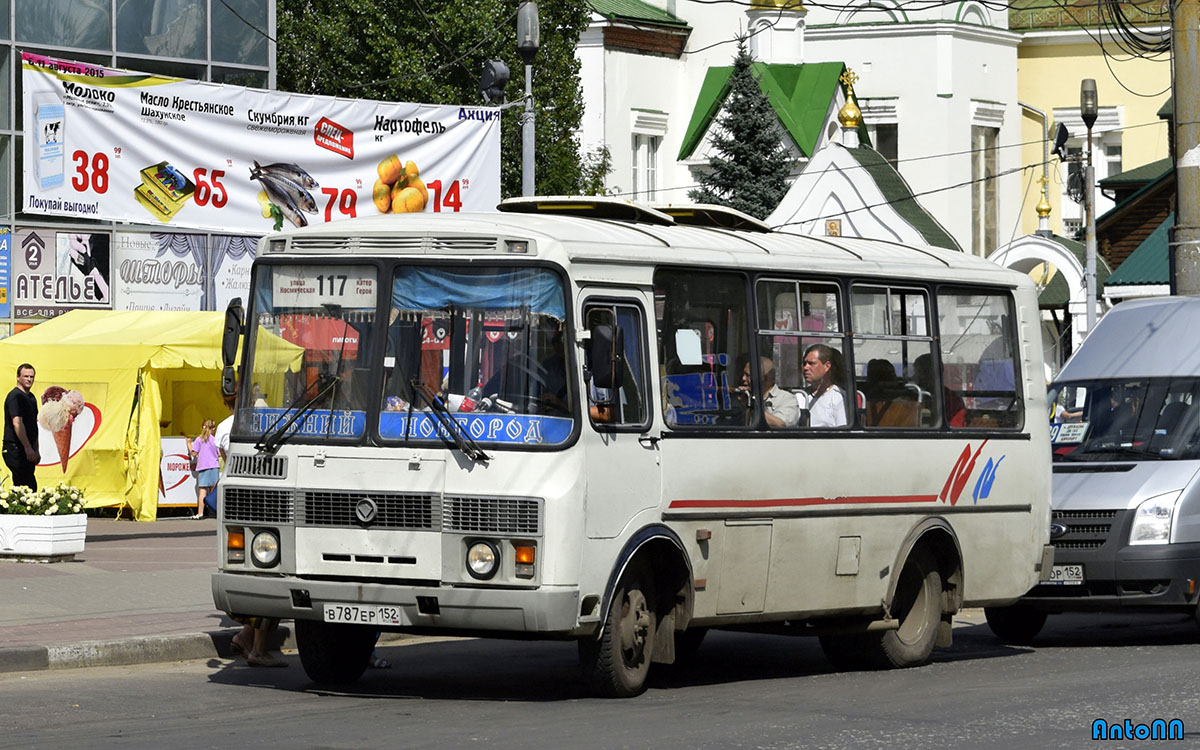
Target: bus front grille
(257,505)
(264,467)
(494,515)
(391,510)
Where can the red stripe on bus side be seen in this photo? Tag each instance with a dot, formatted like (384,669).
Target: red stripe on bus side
(800,501)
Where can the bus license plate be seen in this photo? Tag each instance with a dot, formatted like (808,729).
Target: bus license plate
(1066,575)
(361,614)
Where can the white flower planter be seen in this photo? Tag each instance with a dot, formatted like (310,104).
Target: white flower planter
(44,537)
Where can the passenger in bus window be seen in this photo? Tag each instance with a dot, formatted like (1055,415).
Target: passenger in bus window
(780,408)
(823,371)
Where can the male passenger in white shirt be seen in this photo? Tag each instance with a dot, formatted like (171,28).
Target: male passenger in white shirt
(780,407)
(822,372)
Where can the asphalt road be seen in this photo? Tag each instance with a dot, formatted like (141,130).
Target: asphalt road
(744,691)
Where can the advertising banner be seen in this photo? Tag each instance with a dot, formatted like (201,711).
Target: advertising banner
(53,272)
(166,271)
(106,143)
(5,245)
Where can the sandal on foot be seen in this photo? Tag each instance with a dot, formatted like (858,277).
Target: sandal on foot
(266,660)
(238,648)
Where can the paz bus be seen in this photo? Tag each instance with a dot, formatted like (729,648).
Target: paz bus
(551,422)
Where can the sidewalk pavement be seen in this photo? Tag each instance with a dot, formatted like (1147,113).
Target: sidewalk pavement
(139,592)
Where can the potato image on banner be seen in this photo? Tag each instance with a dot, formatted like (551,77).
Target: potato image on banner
(399,188)
(382,195)
(390,170)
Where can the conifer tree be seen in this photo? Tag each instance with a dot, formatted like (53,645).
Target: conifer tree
(749,170)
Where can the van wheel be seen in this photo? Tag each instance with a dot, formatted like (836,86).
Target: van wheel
(333,653)
(918,606)
(1017,625)
(616,665)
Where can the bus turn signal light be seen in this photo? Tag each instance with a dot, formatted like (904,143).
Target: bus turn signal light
(523,556)
(235,546)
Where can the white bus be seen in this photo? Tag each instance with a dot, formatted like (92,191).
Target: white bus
(589,420)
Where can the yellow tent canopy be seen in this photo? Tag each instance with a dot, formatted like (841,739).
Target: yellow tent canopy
(143,375)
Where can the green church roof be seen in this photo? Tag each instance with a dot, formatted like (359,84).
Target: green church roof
(900,197)
(799,93)
(635,10)
(1149,263)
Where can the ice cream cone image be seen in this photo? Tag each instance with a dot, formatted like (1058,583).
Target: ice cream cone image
(57,415)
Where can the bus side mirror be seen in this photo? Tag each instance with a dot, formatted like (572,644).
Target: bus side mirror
(232,333)
(230,336)
(606,356)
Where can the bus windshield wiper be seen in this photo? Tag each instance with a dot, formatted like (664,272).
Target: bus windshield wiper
(462,440)
(270,442)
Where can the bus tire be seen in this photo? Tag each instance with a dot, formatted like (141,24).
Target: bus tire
(333,653)
(917,604)
(616,665)
(1017,625)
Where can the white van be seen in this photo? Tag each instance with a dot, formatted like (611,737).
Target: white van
(1125,440)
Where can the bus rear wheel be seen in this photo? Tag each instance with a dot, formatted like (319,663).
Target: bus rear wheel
(334,653)
(616,664)
(917,605)
(1017,625)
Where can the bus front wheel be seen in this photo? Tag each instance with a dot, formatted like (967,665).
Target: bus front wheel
(616,664)
(333,653)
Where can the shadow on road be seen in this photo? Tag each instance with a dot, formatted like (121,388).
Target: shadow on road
(495,670)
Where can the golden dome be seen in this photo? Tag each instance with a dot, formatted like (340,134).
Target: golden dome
(850,116)
(1043,207)
(776,5)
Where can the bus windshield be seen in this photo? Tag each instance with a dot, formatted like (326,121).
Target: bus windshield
(1106,420)
(485,342)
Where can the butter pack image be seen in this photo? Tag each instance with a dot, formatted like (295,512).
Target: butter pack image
(164,190)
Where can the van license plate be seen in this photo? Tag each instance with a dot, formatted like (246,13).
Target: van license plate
(1066,575)
(360,614)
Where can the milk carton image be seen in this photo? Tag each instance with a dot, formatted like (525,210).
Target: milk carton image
(49,148)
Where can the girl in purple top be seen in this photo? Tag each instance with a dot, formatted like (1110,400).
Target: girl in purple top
(203,450)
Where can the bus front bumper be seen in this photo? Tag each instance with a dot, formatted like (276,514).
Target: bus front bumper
(545,610)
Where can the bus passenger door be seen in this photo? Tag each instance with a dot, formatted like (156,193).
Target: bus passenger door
(622,456)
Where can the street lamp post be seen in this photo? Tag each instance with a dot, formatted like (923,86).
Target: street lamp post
(527,45)
(1088,110)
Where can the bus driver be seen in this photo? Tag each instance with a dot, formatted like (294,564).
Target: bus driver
(823,372)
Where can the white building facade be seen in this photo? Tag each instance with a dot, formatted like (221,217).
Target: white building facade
(938,91)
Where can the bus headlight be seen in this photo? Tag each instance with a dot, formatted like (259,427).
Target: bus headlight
(482,560)
(265,549)
(1152,520)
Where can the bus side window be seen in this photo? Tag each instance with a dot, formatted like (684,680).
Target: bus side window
(979,363)
(616,398)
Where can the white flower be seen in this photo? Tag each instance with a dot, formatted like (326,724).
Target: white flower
(49,512)
(76,507)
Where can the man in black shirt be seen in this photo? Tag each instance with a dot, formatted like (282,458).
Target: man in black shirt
(20,430)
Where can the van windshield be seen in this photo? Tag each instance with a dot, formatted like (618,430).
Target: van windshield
(1107,420)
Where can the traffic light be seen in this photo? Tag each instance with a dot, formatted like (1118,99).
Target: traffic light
(493,80)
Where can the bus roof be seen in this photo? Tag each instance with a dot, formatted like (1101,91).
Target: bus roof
(580,239)
(1140,339)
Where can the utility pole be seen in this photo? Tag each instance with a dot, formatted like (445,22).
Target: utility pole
(1185,94)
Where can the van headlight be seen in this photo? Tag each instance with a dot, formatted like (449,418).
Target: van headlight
(1152,520)
(265,549)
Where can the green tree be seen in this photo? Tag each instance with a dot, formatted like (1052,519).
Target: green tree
(749,170)
(419,51)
